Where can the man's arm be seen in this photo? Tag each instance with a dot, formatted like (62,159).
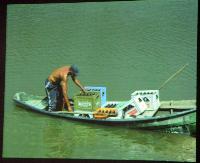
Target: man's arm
(77,82)
(64,91)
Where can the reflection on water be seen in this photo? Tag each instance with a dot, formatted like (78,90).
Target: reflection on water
(55,140)
(75,140)
(48,137)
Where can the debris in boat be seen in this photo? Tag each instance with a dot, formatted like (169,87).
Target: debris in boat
(112,111)
(100,116)
(103,113)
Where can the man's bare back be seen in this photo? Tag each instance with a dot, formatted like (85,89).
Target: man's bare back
(58,74)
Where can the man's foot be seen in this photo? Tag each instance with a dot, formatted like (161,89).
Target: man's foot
(70,110)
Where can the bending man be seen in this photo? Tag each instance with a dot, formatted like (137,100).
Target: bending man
(56,87)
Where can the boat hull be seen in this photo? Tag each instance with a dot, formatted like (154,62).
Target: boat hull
(185,119)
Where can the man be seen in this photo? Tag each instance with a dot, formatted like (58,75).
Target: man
(56,87)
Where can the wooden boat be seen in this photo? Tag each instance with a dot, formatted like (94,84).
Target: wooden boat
(170,115)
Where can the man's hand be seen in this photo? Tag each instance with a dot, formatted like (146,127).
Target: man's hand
(83,90)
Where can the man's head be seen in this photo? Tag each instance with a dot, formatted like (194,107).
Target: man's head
(74,69)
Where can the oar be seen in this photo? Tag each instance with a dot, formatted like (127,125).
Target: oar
(172,76)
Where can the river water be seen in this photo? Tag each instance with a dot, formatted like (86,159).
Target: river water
(125,46)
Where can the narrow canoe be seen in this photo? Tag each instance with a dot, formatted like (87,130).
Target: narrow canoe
(170,115)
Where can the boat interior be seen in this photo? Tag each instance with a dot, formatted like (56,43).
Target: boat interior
(165,108)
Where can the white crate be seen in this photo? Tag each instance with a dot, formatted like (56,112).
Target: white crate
(137,106)
(150,97)
(139,103)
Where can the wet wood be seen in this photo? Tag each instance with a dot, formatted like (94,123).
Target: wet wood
(181,104)
(149,113)
(81,112)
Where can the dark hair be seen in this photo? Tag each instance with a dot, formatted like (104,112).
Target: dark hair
(74,69)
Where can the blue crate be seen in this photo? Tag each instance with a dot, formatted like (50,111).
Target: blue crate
(102,92)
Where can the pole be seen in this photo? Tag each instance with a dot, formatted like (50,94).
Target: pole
(171,77)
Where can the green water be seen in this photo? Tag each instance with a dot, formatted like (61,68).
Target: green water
(125,46)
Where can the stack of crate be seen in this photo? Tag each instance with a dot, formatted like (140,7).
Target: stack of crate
(134,107)
(150,97)
(101,90)
(88,101)
(95,97)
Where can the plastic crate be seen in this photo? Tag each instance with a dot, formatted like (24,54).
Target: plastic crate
(150,97)
(134,107)
(87,102)
(139,103)
(102,91)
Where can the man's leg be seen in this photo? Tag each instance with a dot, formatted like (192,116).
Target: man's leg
(60,99)
(52,97)
(51,91)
